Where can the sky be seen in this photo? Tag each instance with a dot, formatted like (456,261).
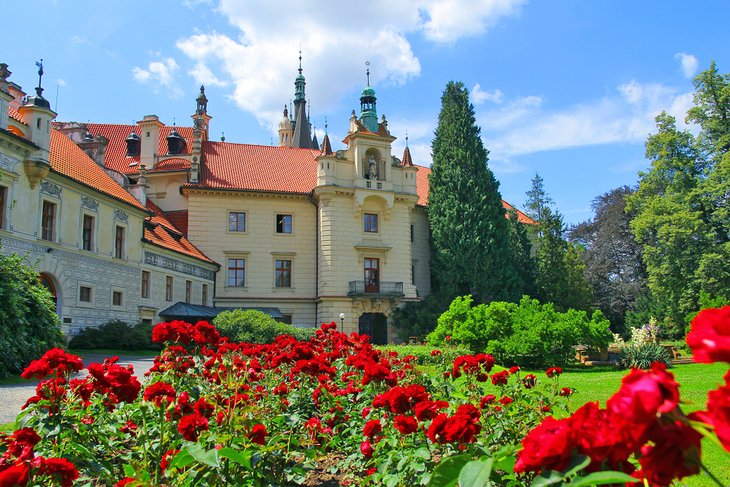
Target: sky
(564,89)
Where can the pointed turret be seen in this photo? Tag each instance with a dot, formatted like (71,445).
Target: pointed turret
(315,142)
(302,137)
(368,112)
(407,160)
(326,146)
(201,124)
(285,130)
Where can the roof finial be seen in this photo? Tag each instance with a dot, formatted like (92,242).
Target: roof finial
(325,125)
(39,89)
(367,71)
(300,60)
(406,138)
(174,124)
(223,136)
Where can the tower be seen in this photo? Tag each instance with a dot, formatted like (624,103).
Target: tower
(285,130)
(302,137)
(368,113)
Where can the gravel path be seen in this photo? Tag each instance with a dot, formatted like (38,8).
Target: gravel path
(12,397)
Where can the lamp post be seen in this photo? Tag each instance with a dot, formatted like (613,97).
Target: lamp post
(342,321)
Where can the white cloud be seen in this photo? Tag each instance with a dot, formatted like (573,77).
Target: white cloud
(61,82)
(260,58)
(76,39)
(160,74)
(688,62)
(205,76)
(478,96)
(525,126)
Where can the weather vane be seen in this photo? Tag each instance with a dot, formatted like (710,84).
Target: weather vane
(367,71)
(39,90)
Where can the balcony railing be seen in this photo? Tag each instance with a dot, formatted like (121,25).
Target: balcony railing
(376,289)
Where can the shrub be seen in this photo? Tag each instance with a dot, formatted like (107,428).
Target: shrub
(254,326)
(418,318)
(642,355)
(28,322)
(115,334)
(528,334)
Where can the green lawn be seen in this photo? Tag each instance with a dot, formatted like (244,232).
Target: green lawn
(599,383)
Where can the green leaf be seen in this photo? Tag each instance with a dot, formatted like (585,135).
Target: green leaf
(422,453)
(446,473)
(576,465)
(239,457)
(129,470)
(550,478)
(476,473)
(181,460)
(602,478)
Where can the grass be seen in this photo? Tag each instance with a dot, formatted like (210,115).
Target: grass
(599,383)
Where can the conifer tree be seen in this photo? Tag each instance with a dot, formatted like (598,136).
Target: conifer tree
(470,234)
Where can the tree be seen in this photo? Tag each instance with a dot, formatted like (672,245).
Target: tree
(614,268)
(29,324)
(470,234)
(522,251)
(538,201)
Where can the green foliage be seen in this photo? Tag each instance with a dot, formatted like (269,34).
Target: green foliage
(254,326)
(642,355)
(424,353)
(528,333)
(470,234)
(28,322)
(418,318)
(116,334)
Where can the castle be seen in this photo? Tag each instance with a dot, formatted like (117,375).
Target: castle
(149,222)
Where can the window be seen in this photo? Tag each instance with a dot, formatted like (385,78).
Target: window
(87,233)
(48,220)
(286,319)
(85,294)
(283,223)
(145,284)
(188,291)
(372,275)
(236,272)
(204,300)
(283,273)
(371,222)
(411,233)
(117,298)
(119,242)
(3,200)
(413,274)
(236,221)
(168,288)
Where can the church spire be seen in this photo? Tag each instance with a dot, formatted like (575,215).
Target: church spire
(302,137)
(368,113)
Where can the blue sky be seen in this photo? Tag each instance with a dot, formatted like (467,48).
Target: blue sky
(566,89)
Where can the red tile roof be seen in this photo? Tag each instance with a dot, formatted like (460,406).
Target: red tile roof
(258,168)
(179,218)
(172,164)
(422,190)
(116,152)
(68,159)
(159,231)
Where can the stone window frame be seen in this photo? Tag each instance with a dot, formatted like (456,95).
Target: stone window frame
(56,227)
(188,291)
(148,287)
(94,225)
(91,295)
(237,255)
(120,293)
(365,226)
(169,288)
(4,206)
(125,239)
(245,222)
(276,223)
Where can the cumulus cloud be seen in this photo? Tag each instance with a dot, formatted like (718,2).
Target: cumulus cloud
(525,125)
(688,62)
(159,74)
(203,75)
(478,96)
(259,59)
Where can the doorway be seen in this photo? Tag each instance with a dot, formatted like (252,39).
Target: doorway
(375,325)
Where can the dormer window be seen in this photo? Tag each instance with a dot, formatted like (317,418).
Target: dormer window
(175,143)
(134,145)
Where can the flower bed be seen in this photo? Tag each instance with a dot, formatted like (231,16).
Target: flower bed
(213,412)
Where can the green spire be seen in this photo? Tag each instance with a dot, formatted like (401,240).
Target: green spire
(368,113)
(299,82)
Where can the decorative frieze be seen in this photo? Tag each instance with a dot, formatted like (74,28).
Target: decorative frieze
(89,203)
(49,188)
(168,263)
(8,163)
(121,216)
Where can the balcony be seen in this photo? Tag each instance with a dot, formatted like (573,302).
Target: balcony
(377,289)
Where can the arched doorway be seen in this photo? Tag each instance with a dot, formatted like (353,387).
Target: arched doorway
(374,325)
(48,282)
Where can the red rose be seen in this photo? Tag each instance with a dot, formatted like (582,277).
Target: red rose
(159,392)
(488,399)
(547,447)
(500,378)
(553,372)
(529,381)
(506,400)
(718,412)
(62,471)
(367,449)
(258,434)
(190,426)
(406,424)
(165,462)
(709,337)
(674,453)
(425,410)
(14,475)
(602,437)
(372,428)
(514,369)
(565,392)
(125,481)
(643,394)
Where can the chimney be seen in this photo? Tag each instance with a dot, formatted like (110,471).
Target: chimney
(150,127)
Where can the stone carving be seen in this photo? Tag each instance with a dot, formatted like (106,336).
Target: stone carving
(7,162)
(51,189)
(121,216)
(89,203)
(178,266)
(372,168)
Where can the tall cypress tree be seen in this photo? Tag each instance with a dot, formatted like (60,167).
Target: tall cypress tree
(470,233)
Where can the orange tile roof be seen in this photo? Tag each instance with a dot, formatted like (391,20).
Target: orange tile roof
(159,231)
(258,168)
(422,190)
(68,159)
(172,164)
(179,218)
(116,152)
(15,115)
